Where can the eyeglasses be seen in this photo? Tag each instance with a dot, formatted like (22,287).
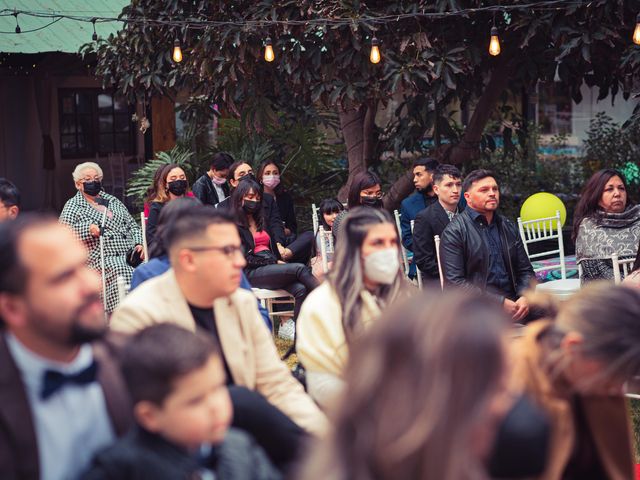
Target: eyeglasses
(228,250)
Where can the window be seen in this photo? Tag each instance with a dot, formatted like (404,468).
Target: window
(94,122)
(554,108)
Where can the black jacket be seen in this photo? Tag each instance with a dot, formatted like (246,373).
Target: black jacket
(272,217)
(287,211)
(204,190)
(465,255)
(429,222)
(144,456)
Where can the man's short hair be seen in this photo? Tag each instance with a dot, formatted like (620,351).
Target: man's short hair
(156,357)
(429,164)
(9,193)
(221,161)
(474,176)
(193,223)
(444,170)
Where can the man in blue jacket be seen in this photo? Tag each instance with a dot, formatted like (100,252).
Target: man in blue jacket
(423,170)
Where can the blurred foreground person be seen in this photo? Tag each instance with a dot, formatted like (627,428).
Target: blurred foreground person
(62,396)
(426,399)
(575,368)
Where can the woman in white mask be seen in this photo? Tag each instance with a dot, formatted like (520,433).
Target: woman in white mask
(366,277)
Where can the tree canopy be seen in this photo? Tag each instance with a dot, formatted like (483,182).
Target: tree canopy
(428,63)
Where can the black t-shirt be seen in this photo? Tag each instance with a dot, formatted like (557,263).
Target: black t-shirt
(205,319)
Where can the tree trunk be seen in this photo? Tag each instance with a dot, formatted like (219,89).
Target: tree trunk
(358,131)
(400,189)
(468,149)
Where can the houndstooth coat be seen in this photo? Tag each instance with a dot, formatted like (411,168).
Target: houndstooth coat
(121,234)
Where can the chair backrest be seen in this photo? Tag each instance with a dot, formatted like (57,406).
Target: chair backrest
(326,247)
(436,241)
(405,260)
(621,267)
(418,272)
(542,229)
(143,226)
(314,217)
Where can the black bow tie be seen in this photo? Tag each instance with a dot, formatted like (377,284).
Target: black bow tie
(54,380)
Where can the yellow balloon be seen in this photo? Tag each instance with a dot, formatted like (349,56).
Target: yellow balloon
(542,205)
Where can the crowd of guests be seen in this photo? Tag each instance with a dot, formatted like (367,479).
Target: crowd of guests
(475,376)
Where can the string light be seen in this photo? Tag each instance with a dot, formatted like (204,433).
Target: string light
(94,37)
(636,32)
(15,14)
(374,56)
(177,51)
(269,56)
(494,44)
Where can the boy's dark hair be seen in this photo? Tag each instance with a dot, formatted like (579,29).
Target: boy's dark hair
(429,164)
(157,356)
(474,176)
(361,181)
(9,193)
(168,215)
(193,223)
(444,170)
(221,161)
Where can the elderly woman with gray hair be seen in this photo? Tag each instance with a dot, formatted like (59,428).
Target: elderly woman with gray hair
(122,238)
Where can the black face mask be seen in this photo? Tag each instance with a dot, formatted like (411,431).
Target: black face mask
(251,206)
(521,445)
(92,188)
(370,201)
(177,187)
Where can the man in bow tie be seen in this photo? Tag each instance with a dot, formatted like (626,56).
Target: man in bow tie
(62,396)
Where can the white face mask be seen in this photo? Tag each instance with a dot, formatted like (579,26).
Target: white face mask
(382,266)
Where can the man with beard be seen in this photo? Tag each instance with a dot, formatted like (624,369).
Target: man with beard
(62,396)
(423,197)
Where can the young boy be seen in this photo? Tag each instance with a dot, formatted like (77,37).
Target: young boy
(182,407)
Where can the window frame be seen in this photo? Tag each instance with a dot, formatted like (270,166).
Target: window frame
(95,133)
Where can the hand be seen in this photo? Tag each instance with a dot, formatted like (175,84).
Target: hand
(280,262)
(280,249)
(522,309)
(140,250)
(510,307)
(287,232)
(94,230)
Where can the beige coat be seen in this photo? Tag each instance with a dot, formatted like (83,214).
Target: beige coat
(246,344)
(608,417)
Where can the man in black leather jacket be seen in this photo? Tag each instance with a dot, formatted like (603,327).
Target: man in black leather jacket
(481,249)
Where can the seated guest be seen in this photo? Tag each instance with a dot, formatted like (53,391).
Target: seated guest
(365,279)
(423,197)
(160,261)
(172,184)
(575,368)
(482,250)
(9,200)
(85,213)
(62,395)
(237,172)
(264,267)
(201,290)
(447,185)
(182,410)
(438,363)
(605,222)
(329,209)
(297,247)
(212,188)
(365,191)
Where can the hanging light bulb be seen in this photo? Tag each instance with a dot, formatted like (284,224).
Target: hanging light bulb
(269,56)
(375,51)
(636,32)
(177,51)
(94,37)
(494,44)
